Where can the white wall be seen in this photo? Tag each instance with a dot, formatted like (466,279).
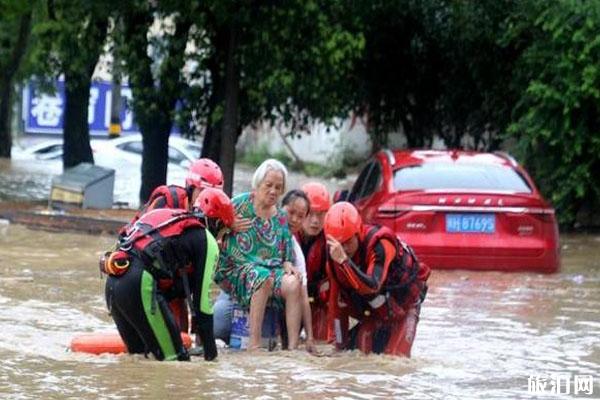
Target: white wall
(321,144)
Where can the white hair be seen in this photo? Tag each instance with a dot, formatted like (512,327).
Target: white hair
(270,164)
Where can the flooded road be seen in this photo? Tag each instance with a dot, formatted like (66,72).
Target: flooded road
(481,336)
(32,180)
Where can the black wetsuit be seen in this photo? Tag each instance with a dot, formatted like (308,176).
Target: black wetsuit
(139,303)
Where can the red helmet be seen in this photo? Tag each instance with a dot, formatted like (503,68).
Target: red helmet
(214,203)
(342,221)
(204,173)
(318,195)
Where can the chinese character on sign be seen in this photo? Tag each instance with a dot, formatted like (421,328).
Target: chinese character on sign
(94,94)
(583,384)
(44,113)
(47,110)
(127,122)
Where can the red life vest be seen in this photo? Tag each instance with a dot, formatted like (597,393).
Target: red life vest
(405,269)
(152,239)
(315,254)
(175,197)
(404,276)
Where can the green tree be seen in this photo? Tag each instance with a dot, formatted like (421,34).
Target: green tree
(476,96)
(15,29)
(396,78)
(268,61)
(155,78)
(435,67)
(557,117)
(71,40)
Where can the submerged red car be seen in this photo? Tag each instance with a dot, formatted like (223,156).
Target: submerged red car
(460,209)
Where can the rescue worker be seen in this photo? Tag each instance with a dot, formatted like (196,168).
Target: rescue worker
(314,247)
(166,254)
(376,279)
(202,173)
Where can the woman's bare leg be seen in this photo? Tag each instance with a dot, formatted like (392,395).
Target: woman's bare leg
(258,303)
(290,290)
(307,320)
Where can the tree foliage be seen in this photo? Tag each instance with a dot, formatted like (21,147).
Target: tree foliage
(495,73)
(271,61)
(477,74)
(557,117)
(476,95)
(69,42)
(435,67)
(151,40)
(15,29)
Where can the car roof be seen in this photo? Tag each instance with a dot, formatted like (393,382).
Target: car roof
(138,137)
(43,144)
(400,158)
(173,140)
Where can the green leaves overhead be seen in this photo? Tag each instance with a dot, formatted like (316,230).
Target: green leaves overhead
(71,37)
(557,118)
(295,58)
(522,74)
(15,30)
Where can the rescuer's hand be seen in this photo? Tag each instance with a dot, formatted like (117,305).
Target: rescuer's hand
(336,250)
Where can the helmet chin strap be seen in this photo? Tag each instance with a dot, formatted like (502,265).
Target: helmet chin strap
(358,238)
(212,225)
(189,189)
(201,216)
(361,234)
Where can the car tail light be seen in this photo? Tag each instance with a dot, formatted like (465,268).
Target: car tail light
(547,215)
(530,221)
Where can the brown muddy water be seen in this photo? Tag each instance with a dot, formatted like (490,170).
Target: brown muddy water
(481,336)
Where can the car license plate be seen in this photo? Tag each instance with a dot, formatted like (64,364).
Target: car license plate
(470,223)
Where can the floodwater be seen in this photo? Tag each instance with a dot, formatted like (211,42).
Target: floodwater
(31,180)
(481,336)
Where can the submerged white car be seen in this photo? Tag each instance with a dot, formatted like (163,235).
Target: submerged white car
(123,154)
(108,152)
(44,151)
(181,151)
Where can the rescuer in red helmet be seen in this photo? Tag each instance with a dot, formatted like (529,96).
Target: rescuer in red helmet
(314,247)
(166,255)
(376,279)
(202,174)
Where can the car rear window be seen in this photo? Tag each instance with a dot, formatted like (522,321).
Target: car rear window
(135,147)
(193,148)
(459,176)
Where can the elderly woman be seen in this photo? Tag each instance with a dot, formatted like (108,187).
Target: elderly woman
(256,261)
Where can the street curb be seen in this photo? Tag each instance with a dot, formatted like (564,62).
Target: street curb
(58,222)
(91,221)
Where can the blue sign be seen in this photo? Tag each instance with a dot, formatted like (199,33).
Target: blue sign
(43,113)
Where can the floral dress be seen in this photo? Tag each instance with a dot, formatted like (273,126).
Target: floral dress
(249,258)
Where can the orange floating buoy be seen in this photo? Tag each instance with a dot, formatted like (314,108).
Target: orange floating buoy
(108,342)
